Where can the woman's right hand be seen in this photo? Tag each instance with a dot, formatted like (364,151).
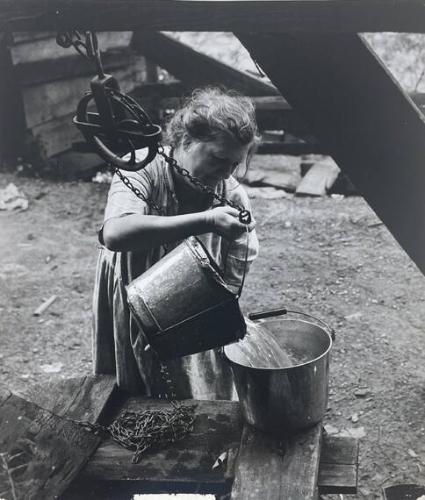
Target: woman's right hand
(225,222)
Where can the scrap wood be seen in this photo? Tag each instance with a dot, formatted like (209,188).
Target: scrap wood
(47,303)
(285,179)
(319,179)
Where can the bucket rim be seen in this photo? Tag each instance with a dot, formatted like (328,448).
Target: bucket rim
(314,360)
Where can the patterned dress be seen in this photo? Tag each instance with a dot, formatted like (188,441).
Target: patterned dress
(118,344)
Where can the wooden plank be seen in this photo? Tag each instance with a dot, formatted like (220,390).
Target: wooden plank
(271,470)
(40,453)
(193,68)
(56,136)
(338,465)
(53,100)
(31,36)
(185,464)
(201,15)
(47,49)
(339,450)
(337,479)
(361,116)
(319,179)
(70,66)
(81,398)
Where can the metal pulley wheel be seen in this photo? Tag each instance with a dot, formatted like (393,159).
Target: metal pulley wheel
(118,127)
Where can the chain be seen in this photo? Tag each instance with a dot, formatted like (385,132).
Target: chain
(125,180)
(140,431)
(68,38)
(244,215)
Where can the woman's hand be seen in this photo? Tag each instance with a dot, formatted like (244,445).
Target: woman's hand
(225,222)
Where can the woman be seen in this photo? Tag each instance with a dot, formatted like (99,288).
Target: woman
(209,137)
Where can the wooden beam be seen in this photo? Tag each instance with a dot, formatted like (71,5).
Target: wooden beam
(270,469)
(359,113)
(12,117)
(195,69)
(70,66)
(277,16)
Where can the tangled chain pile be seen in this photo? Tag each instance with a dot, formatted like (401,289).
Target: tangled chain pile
(140,431)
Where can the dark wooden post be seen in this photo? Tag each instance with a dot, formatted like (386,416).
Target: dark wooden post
(12,116)
(361,116)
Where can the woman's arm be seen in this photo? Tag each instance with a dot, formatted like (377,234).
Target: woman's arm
(136,232)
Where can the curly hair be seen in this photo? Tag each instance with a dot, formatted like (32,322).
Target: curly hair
(214,112)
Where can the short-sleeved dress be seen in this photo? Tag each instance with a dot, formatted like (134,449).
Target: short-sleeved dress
(118,345)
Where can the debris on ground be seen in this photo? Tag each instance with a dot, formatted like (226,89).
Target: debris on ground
(12,199)
(46,304)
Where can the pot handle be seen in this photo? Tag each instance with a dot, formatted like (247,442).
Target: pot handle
(282,311)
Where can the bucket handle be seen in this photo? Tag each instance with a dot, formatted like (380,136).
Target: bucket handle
(280,312)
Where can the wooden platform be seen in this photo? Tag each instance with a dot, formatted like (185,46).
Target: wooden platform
(252,465)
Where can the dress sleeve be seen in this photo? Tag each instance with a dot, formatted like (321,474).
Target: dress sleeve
(122,201)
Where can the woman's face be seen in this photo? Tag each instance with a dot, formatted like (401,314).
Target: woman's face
(211,162)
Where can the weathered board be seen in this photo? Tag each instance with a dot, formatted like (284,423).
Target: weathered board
(319,179)
(81,398)
(12,119)
(70,66)
(338,465)
(194,68)
(185,464)
(293,16)
(277,470)
(40,453)
(361,116)
(34,50)
(52,100)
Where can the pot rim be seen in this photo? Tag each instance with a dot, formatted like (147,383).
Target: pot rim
(314,360)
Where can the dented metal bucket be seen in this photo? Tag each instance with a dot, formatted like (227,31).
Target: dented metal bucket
(183,306)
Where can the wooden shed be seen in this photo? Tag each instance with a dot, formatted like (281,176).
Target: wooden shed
(43,86)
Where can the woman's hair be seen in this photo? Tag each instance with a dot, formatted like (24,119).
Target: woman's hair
(214,112)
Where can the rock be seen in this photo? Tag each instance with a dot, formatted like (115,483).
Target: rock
(52,368)
(12,199)
(361,393)
(356,315)
(354,418)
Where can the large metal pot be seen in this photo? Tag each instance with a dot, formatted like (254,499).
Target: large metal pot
(182,304)
(289,398)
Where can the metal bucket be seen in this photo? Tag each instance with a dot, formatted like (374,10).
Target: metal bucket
(289,398)
(183,306)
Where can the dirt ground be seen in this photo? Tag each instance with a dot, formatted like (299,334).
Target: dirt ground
(330,257)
